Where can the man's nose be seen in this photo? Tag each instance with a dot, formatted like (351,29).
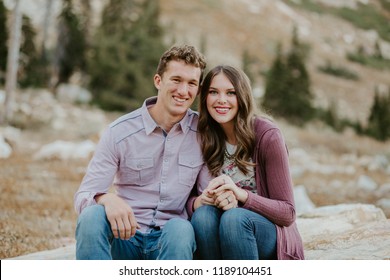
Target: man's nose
(182,88)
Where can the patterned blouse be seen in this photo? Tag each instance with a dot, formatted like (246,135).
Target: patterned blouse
(239,178)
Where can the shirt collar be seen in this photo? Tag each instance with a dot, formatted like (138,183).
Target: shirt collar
(151,125)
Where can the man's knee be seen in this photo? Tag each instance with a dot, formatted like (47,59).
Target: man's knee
(91,218)
(179,231)
(179,227)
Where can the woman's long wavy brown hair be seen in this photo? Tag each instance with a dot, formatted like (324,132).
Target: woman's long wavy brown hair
(212,136)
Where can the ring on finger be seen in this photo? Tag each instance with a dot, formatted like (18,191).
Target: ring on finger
(228,199)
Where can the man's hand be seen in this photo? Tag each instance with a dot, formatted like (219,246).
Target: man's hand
(119,214)
(204,199)
(227,194)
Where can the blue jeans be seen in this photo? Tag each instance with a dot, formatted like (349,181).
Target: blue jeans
(235,234)
(95,240)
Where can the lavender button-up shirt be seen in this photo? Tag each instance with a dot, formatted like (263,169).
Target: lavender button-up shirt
(152,171)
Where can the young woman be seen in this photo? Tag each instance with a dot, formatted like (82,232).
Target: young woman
(247,211)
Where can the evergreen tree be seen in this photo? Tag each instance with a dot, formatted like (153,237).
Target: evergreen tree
(3,40)
(287,91)
(298,98)
(379,119)
(71,44)
(125,54)
(33,69)
(378,52)
(247,65)
(275,84)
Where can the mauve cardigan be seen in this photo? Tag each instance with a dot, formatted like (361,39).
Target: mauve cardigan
(274,199)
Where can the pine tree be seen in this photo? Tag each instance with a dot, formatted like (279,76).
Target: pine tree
(287,92)
(298,98)
(3,40)
(379,119)
(247,65)
(33,69)
(71,44)
(125,54)
(275,84)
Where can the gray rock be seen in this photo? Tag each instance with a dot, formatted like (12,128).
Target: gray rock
(339,232)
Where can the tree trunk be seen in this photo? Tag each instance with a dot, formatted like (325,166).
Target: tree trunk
(12,64)
(45,28)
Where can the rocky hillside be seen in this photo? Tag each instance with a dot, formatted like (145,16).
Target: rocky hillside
(230,27)
(225,29)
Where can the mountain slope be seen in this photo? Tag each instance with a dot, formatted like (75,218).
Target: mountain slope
(227,28)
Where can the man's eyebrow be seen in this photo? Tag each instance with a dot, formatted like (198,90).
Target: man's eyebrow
(180,77)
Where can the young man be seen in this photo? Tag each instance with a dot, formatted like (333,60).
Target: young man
(154,155)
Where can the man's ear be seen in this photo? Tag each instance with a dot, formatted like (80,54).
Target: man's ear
(157,81)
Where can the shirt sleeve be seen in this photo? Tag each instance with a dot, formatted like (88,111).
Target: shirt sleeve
(277,202)
(100,172)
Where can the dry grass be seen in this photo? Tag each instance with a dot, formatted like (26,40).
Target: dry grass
(37,204)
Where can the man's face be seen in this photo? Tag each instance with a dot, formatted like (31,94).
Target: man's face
(178,87)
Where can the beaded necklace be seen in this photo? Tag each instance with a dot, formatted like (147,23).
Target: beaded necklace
(229,153)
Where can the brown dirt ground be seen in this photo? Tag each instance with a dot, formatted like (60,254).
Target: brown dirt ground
(37,204)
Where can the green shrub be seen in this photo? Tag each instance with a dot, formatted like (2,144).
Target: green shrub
(338,71)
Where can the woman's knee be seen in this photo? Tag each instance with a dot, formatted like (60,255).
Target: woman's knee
(234,216)
(239,220)
(206,216)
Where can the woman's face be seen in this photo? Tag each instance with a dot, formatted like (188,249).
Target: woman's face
(222,101)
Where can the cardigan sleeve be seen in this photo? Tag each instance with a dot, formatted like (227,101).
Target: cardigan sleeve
(274,199)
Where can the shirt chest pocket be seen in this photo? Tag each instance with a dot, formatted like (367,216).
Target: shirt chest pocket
(139,171)
(189,167)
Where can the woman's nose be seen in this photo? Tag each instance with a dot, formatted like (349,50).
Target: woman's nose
(222,99)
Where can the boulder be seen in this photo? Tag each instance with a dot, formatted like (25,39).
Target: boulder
(65,150)
(337,232)
(345,232)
